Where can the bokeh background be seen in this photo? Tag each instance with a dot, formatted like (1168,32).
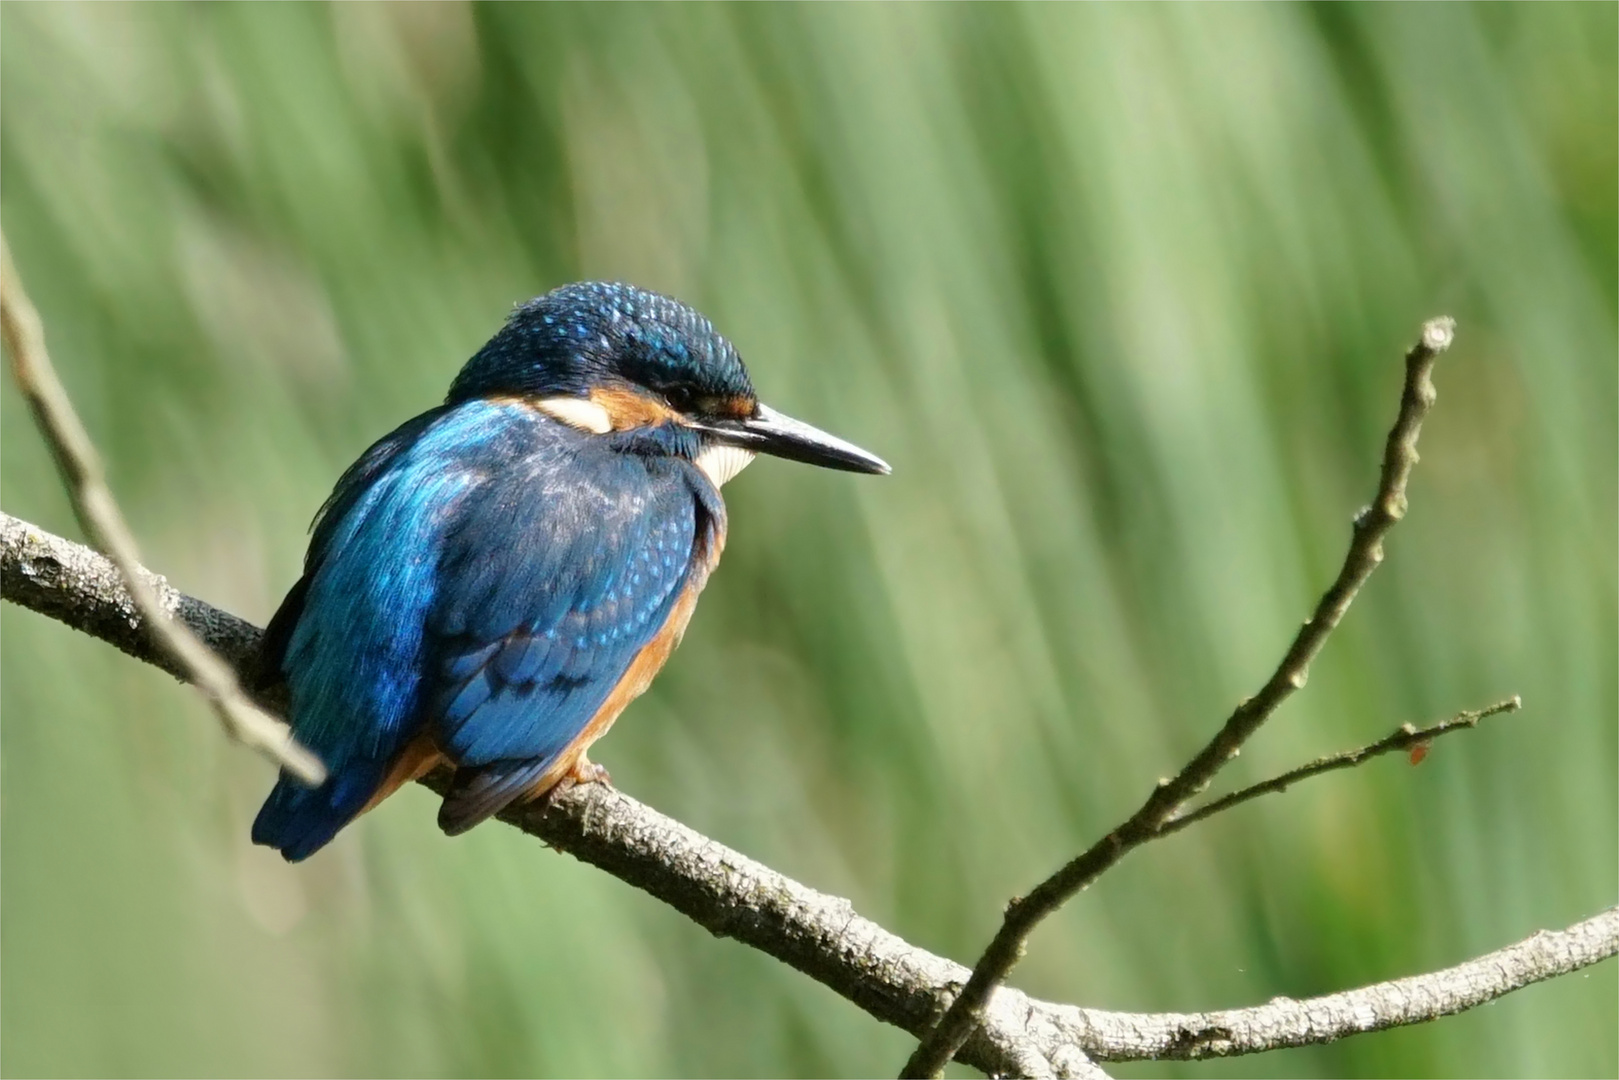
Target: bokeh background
(1120,291)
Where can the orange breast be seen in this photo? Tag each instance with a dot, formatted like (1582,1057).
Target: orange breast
(638,676)
(419,758)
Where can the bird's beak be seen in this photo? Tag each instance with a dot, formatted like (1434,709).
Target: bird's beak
(770,432)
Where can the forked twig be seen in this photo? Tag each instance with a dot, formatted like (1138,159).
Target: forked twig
(1146,824)
(821,935)
(733,896)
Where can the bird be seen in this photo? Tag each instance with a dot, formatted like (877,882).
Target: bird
(491,583)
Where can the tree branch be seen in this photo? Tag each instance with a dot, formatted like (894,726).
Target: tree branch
(1283,1022)
(734,896)
(720,889)
(1146,824)
(104,523)
(1402,738)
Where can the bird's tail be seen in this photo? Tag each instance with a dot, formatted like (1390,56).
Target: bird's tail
(298,821)
(479,794)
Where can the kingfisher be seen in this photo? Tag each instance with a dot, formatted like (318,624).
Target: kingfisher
(495,580)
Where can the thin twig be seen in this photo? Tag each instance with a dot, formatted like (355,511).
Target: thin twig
(822,936)
(1402,738)
(104,523)
(1365,553)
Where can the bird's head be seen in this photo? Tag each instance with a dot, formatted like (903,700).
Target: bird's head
(611,358)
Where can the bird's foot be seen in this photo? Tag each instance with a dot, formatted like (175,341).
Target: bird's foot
(583,771)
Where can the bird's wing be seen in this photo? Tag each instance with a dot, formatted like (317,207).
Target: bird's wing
(348,640)
(554,577)
(353,485)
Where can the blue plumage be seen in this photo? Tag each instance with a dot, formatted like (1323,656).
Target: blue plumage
(529,638)
(483,578)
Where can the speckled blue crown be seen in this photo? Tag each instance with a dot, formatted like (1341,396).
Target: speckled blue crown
(584,335)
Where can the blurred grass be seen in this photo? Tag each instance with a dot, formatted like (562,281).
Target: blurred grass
(1121,293)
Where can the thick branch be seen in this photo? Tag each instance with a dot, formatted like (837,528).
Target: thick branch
(820,935)
(1167,799)
(723,890)
(104,523)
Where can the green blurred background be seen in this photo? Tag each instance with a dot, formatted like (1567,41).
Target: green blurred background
(1120,291)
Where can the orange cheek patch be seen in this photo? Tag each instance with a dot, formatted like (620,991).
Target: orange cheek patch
(628,409)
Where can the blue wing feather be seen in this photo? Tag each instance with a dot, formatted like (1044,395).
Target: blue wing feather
(484,574)
(557,576)
(351,651)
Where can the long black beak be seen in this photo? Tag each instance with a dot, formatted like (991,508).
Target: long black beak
(772,433)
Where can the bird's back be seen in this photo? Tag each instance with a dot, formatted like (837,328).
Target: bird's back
(480,583)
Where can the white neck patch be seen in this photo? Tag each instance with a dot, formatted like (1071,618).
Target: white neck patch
(582,413)
(719,463)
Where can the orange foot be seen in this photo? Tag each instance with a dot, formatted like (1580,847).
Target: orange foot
(585,771)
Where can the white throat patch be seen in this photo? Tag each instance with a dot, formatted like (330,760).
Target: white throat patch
(719,463)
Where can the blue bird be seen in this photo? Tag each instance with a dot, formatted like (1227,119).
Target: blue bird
(492,582)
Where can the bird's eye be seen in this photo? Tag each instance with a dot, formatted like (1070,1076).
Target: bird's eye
(680,398)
